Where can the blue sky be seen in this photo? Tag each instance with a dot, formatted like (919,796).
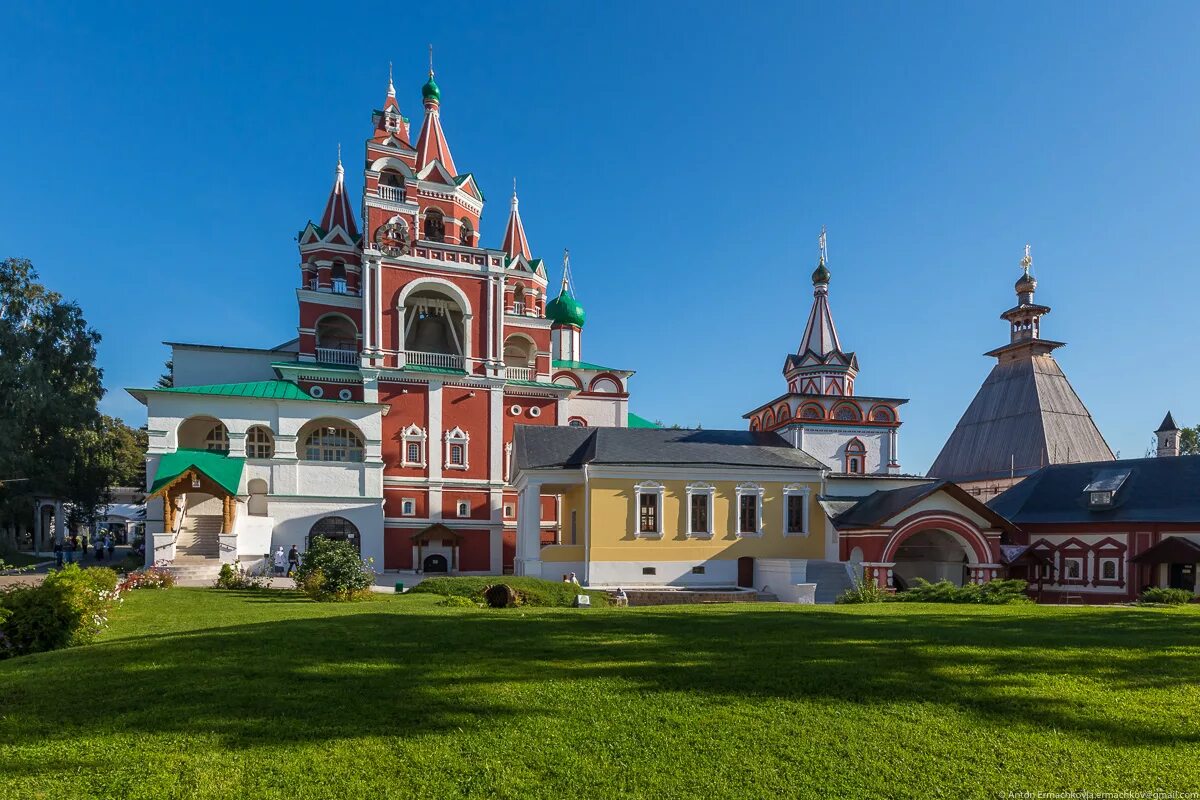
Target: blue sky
(158,162)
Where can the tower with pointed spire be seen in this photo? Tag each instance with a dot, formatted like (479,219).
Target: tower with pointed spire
(455,338)
(1168,437)
(1026,415)
(821,413)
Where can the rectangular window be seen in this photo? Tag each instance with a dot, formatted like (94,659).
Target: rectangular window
(748,513)
(795,513)
(700,513)
(649,570)
(648,513)
(456,454)
(1072,568)
(508,511)
(408,507)
(697,570)
(414,453)
(464,508)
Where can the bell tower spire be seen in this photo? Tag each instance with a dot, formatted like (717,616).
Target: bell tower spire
(337,207)
(515,243)
(432,145)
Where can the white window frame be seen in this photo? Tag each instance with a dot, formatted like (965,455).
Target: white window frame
(796,490)
(408,506)
(744,490)
(254,439)
(413,434)
(458,436)
(510,511)
(708,490)
(463,504)
(639,490)
(1116,567)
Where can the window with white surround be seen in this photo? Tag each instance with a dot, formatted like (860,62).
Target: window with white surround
(749,509)
(648,508)
(408,507)
(509,511)
(464,508)
(333,443)
(795,510)
(413,452)
(217,440)
(699,509)
(1108,569)
(456,456)
(1072,569)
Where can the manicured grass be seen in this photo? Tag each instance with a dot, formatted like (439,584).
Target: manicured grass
(198,693)
(18,558)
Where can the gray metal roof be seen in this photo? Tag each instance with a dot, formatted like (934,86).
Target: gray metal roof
(1025,415)
(876,508)
(543,447)
(1157,490)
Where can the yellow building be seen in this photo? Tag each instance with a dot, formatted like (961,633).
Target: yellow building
(668,507)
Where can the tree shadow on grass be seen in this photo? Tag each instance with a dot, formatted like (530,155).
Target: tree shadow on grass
(402,670)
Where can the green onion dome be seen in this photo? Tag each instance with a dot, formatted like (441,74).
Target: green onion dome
(430,90)
(820,274)
(565,310)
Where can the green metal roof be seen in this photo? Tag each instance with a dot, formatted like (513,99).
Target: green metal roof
(313,366)
(539,384)
(225,471)
(583,365)
(634,421)
(259,390)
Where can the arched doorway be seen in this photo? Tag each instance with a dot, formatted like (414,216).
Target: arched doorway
(435,562)
(935,555)
(339,529)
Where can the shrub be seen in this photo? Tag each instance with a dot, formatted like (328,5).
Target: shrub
(865,591)
(1156,596)
(333,570)
(455,601)
(149,578)
(991,593)
(530,591)
(69,607)
(238,577)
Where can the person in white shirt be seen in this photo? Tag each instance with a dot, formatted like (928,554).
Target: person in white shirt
(280,561)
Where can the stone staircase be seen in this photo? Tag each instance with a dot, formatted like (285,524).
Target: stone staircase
(197,550)
(199,536)
(831,577)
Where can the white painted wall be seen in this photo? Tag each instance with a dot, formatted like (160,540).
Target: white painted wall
(717,572)
(828,444)
(199,366)
(599,413)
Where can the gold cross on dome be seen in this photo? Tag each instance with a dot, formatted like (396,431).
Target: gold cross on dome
(1027,261)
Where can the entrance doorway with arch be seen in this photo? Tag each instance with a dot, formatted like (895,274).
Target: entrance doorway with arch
(338,529)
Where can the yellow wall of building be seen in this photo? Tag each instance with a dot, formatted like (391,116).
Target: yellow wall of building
(614,524)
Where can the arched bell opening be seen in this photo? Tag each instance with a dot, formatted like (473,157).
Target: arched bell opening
(434,330)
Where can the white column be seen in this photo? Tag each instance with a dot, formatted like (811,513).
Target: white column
(435,446)
(528,561)
(377,286)
(368,301)
(496,434)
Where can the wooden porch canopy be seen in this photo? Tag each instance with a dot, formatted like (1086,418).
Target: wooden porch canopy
(204,471)
(1171,550)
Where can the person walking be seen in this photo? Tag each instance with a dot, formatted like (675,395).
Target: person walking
(280,561)
(110,545)
(72,543)
(85,547)
(58,554)
(293,561)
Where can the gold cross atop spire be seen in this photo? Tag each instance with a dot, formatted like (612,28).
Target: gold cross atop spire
(822,249)
(566,269)
(431,59)
(1027,261)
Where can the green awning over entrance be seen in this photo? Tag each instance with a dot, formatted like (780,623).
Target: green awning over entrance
(220,468)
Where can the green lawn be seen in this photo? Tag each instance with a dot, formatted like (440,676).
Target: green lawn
(197,693)
(19,558)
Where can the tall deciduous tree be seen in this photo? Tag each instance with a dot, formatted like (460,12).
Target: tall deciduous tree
(51,431)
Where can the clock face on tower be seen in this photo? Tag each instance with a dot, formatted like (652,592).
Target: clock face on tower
(392,238)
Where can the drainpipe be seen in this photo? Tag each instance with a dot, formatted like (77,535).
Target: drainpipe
(587,527)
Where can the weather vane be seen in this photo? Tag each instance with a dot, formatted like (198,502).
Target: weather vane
(821,246)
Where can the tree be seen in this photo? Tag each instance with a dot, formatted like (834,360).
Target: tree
(167,379)
(1189,441)
(50,426)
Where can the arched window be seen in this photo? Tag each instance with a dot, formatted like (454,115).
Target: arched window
(435,225)
(217,440)
(519,351)
(577,422)
(337,275)
(856,456)
(333,443)
(337,529)
(465,232)
(337,340)
(812,412)
(846,413)
(434,323)
(259,442)
(457,441)
(881,415)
